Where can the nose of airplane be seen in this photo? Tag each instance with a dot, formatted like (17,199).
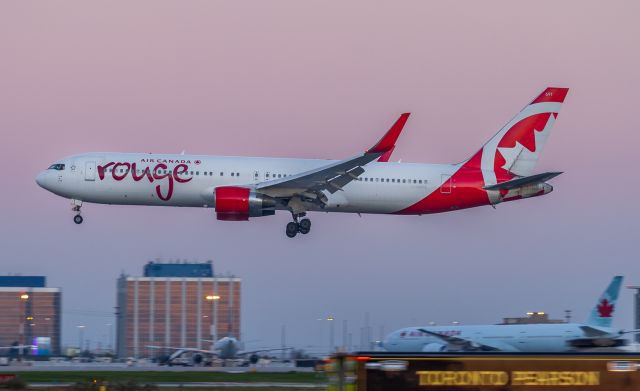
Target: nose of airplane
(41,179)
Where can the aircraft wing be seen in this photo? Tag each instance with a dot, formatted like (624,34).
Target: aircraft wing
(18,347)
(180,351)
(334,176)
(249,352)
(523,181)
(464,343)
(180,348)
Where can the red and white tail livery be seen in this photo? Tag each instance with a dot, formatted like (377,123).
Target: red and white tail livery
(240,188)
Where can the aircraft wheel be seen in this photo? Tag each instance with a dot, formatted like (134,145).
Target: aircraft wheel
(304,226)
(292,229)
(77,219)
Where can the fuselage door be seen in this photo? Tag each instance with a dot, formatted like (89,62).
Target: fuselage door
(256,176)
(90,171)
(445,188)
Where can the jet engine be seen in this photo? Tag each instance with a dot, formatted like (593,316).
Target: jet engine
(434,347)
(527,191)
(597,342)
(197,359)
(235,203)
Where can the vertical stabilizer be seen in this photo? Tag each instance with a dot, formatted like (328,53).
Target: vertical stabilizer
(602,313)
(515,149)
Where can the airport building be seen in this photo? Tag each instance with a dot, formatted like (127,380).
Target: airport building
(537,317)
(30,314)
(175,305)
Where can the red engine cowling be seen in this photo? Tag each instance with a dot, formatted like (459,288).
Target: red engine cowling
(235,203)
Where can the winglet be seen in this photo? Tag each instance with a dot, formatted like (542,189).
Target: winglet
(523,181)
(388,141)
(387,155)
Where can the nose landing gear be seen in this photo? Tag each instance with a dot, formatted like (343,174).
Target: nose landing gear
(76,208)
(303,226)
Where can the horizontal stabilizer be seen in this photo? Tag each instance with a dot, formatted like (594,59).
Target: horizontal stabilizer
(593,332)
(523,181)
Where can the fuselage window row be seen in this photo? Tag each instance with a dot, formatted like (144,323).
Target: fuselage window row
(393,180)
(268,175)
(139,171)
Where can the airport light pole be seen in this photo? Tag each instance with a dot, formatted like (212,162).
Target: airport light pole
(331,319)
(283,340)
(80,336)
(213,298)
(48,328)
(110,346)
(636,310)
(24,297)
(345,345)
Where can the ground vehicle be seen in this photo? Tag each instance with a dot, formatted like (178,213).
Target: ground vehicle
(373,371)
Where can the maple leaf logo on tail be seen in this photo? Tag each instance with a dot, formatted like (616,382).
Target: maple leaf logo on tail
(515,149)
(605,309)
(602,312)
(518,151)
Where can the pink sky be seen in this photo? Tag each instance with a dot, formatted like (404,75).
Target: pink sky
(326,79)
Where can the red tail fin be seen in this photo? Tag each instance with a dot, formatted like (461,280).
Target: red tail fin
(515,149)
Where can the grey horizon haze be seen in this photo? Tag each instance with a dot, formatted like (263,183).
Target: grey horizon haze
(326,80)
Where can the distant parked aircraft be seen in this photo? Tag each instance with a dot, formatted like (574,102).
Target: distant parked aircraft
(226,348)
(595,332)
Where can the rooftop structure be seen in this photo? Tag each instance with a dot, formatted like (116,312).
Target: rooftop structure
(178,269)
(532,318)
(23,281)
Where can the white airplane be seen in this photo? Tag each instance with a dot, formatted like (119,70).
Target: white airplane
(562,337)
(226,348)
(243,187)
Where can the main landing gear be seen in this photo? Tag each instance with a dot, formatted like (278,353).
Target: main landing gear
(76,208)
(303,226)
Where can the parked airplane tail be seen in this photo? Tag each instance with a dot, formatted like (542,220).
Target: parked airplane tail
(515,149)
(602,313)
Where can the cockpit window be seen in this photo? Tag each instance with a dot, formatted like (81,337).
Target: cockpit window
(58,167)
